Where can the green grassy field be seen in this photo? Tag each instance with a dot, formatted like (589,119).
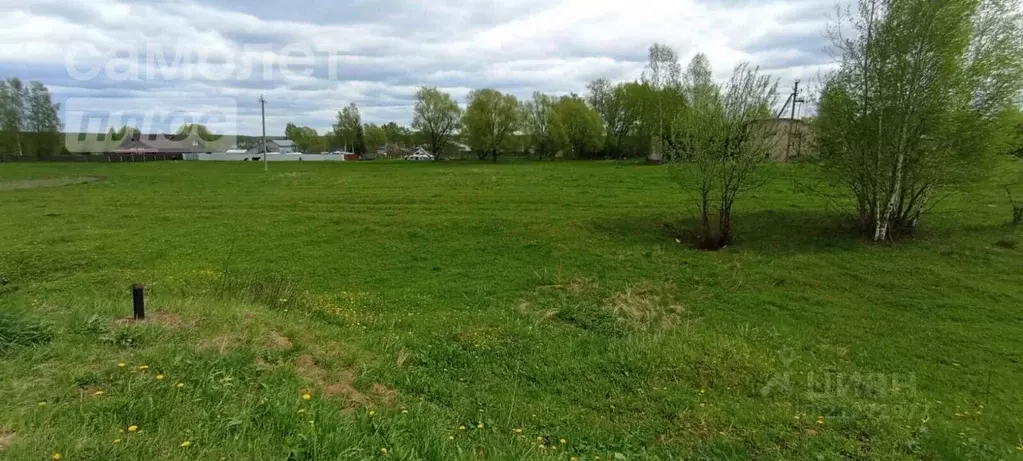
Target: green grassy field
(511,311)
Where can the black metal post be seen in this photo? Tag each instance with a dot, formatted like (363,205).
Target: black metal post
(138,298)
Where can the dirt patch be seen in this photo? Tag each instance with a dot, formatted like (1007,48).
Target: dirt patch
(218,344)
(50,182)
(383,393)
(643,309)
(7,437)
(342,385)
(278,342)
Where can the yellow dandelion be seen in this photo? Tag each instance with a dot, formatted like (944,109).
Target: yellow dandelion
(479,425)
(160,377)
(121,365)
(143,367)
(461,428)
(98,393)
(563,441)
(186,444)
(307,396)
(383,451)
(179,385)
(372,412)
(451,437)
(133,428)
(117,440)
(56,457)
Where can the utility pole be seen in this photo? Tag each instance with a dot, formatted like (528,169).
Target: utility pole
(262,110)
(794,98)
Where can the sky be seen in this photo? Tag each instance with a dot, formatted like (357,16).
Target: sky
(157,63)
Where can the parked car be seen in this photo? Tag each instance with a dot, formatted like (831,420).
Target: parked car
(419,157)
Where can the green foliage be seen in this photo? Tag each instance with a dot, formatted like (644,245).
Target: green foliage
(29,120)
(725,136)
(914,105)
(626,109)
(198,129)
(489,122)
(438,117)
(544,131)
(376,137)
(663,76)
(583,128)
(305,138)
(348,132)
(1010,124)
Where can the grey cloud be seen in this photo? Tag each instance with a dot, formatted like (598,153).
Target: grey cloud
(387,49)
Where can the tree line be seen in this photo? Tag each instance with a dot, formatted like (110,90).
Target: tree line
(29,120)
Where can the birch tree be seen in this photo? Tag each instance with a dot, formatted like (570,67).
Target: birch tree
(663,75)
(42,119)
(913,106)
(13,98)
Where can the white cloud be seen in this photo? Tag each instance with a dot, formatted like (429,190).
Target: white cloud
(382,51)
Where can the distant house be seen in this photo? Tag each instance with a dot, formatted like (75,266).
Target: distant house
(162,144)
(276,146)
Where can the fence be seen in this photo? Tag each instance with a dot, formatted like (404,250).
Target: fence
(101,158)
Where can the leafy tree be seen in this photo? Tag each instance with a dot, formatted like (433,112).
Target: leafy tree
(42,120)
(360,140)
(197,129)
(348,128)
(13,97)
(544,130)
(437,116)
(306,139)
(662,74)
(913,106)
(621,107)
(122,132)
(376,137)
(1011,122)
(398,134)
(583,128)
(725,134)
(489,121)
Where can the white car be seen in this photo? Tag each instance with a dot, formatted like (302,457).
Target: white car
(419,157)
